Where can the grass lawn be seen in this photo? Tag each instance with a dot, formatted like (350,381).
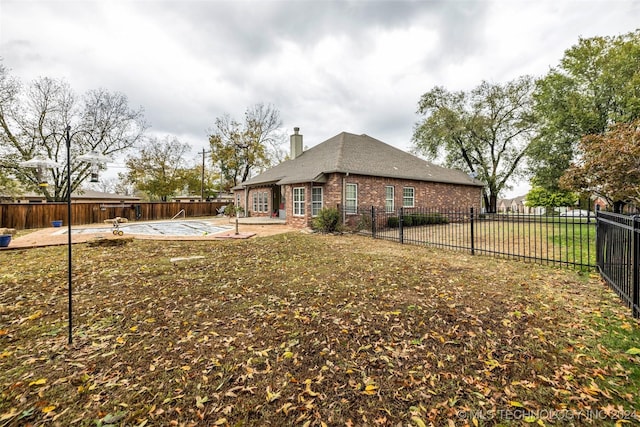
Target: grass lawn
(309,330)
(550,241)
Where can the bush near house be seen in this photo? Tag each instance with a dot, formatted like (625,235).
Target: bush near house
(327,221)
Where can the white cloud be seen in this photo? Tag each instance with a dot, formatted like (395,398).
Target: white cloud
(328,66)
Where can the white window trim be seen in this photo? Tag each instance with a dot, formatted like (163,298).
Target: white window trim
(346,206)
(300,203)
(313,202)
(413,198)
(393,196)
(263,201)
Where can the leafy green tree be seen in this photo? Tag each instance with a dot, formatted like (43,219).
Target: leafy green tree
(159,169)
(193,181)
(9,187)
(33,121)
(609,166)
(243,148)
(596,85)
(540,196)
(484,132)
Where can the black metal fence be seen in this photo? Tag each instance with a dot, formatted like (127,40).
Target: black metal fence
(606,241)
(553,240)
(618,248)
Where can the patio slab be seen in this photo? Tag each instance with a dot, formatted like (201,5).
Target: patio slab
(52,237)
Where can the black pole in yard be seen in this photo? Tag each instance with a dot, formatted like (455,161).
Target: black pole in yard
(635,293)
(401,225)
(373,222)
(473,249)
(70,263)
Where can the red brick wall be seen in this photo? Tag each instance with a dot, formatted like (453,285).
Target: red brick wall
(371,192)
(249,209)
(270,207)
(298,221)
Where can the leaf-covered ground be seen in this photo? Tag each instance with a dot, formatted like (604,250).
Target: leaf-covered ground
(309,330)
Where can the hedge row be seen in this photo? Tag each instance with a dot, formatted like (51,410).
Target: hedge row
(414,220)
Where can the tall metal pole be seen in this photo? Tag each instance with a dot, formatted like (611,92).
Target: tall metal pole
(202,177)
(70,265)
(202,180)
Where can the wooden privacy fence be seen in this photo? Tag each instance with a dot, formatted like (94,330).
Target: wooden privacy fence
(25,216)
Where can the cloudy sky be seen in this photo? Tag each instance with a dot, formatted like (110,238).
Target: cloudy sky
(327,66)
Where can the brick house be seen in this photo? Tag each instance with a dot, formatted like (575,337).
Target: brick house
(352,171)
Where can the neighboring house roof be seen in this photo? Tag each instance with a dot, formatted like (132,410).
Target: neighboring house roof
(361,155)
(519,200)
(83,195)
(91,194)
(510,202)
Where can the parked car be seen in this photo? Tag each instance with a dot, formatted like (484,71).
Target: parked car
(579,213)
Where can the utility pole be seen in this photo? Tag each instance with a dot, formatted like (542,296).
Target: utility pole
(202,176)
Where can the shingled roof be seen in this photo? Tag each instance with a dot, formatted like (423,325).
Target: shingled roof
(361,155)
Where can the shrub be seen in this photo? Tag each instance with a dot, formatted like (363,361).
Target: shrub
(364,223)
(419,219)
(393,222)
(408,221)
(231,210)
(327,221)
(436,218)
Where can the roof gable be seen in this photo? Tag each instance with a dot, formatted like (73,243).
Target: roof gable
(362,155)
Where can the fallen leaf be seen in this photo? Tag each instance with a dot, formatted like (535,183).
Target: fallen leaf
(271,396)
(200,401)
(370,389)
(35,315)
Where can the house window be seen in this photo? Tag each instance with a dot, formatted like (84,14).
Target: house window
(389,193)
(254,199)
(316,200)
(351,198)
(298,201)
(260,201)
(408,197)
(263,205)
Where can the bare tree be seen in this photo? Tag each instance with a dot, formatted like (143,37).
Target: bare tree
(243,148)
(33,123)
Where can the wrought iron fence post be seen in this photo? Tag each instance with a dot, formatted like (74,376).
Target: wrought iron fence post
(473,248)
(373,222)
(401,225)
(635,293)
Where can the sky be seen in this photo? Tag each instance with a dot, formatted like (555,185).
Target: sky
(327,66)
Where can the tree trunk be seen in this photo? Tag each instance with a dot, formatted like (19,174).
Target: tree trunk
(491,202)
(617,207)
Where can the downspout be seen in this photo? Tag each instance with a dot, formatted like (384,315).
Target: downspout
(342,200)
(246,200)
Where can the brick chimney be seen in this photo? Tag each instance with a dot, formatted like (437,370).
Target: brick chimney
(296,143)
